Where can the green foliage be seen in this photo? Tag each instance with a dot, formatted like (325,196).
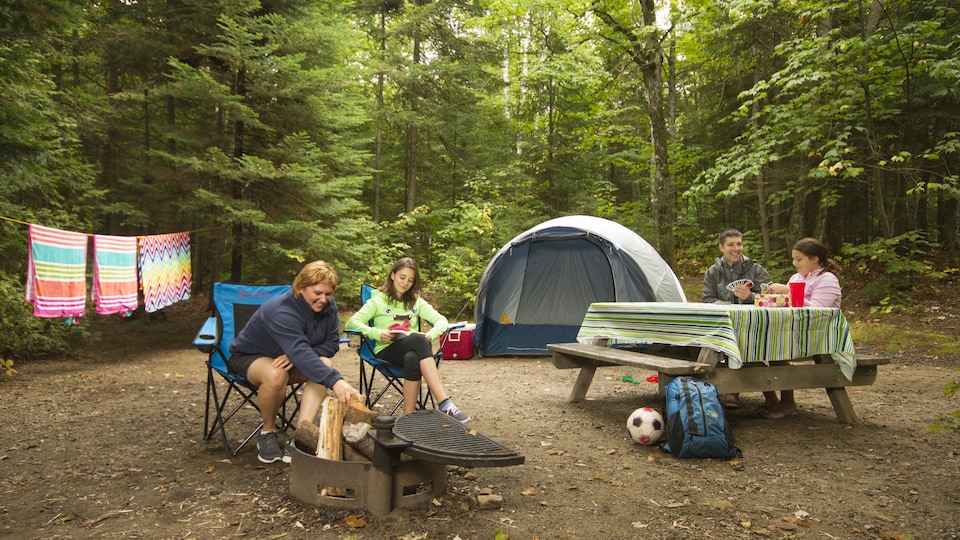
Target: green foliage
(24,337)
(891,266)
(950,423)
(7,367)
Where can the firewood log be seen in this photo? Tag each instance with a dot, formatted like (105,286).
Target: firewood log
(307,437)
(357,412)
(331,427)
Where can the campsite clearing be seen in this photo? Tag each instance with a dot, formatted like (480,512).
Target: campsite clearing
(106,444)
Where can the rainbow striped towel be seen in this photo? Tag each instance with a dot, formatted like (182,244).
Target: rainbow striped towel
(114,274)
(56,272)
(165,272)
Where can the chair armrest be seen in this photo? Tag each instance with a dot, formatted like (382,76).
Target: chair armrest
(206,339)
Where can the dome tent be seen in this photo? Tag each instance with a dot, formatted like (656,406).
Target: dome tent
(538,287)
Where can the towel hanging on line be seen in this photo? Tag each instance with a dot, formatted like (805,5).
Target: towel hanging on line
(56,272)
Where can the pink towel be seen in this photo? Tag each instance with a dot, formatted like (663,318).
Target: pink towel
(114,274)
(56,272)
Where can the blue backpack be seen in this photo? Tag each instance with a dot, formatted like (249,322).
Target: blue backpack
(696,426)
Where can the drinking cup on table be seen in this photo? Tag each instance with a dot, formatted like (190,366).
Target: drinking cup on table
(796,293)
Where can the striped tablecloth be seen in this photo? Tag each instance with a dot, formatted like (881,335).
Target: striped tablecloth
(743,333)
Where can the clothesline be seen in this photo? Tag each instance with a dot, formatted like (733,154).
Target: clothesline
(56,271)
(191,231)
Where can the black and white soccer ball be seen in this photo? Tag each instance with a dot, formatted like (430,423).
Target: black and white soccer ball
(645,426)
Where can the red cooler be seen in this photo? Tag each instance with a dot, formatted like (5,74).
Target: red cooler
(459,344)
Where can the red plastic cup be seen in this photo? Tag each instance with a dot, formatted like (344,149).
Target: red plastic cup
(796,293)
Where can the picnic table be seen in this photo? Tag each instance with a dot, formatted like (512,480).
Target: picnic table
(738,348)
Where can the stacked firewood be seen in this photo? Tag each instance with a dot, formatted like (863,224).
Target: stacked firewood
(342,433)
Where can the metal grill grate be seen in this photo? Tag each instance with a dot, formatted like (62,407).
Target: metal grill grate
(434,436)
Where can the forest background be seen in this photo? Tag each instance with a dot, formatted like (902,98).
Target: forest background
(283,131)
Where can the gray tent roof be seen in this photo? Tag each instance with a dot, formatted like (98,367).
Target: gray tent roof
(666,287)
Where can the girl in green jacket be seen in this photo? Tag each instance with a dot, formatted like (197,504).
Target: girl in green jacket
(395,308)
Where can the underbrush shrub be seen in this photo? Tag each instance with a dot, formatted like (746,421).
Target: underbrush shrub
(25,337)
(891,267)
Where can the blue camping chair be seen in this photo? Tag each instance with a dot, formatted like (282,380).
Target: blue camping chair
(372,369)
(233,305)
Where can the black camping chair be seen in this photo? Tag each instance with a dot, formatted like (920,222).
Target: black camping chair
(372,369)
(233,305)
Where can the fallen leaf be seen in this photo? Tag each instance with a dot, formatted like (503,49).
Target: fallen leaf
(674,504)
(783,525)
(528,491)
(882,517)
(653,457)
(611,451)
(209,469)
(355,521)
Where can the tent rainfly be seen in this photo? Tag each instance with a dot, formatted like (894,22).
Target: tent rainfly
(538,287)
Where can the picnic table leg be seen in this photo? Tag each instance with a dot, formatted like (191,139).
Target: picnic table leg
(838,396)
(587,370)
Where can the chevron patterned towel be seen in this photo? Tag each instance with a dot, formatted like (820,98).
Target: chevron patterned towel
(165,272)
(114,274)
(56,272)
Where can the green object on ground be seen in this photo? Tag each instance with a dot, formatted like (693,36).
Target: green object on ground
(629,379)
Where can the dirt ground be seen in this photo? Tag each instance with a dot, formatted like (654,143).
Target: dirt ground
(107,444)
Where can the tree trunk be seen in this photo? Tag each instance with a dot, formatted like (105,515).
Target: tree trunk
(647,54)
(663,192)
(412,128)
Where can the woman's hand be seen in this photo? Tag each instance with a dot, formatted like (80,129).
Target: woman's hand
(282,362)
(344,391)
(386,336)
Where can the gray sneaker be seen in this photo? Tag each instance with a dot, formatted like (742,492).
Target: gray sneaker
(457,414)
(269,448)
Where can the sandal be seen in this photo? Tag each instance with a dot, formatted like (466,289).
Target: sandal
(764,408)
(777,414)
(730,401)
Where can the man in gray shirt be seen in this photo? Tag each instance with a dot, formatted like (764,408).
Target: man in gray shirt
(730,267)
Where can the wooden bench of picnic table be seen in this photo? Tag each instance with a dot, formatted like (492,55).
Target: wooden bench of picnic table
(757,377)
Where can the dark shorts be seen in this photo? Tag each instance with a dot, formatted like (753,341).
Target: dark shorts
(238,364)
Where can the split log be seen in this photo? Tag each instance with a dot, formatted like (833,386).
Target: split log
(331,427)
(356,419)
(357,412)
(350,454)
(307,437)
(356,438)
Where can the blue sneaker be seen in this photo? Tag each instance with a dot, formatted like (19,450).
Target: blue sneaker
(457,414)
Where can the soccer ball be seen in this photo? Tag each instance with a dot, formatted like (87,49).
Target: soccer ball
(645,426)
